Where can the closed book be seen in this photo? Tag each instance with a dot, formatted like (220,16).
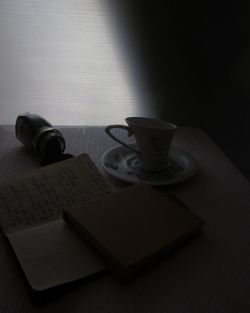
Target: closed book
(133,227)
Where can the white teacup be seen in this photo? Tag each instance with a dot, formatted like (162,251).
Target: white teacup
(153,138)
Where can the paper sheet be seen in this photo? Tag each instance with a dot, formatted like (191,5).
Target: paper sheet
(52,254)
(41,196)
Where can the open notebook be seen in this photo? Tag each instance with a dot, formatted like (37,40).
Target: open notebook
(49,251)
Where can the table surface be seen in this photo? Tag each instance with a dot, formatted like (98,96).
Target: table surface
(210,274)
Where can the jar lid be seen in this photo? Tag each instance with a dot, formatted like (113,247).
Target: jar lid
(50,143)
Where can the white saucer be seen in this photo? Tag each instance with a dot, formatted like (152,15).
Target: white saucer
(123,164)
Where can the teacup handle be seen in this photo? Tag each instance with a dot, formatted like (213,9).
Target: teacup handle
(130,133)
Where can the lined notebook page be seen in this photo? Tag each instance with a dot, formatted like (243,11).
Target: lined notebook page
(41,196)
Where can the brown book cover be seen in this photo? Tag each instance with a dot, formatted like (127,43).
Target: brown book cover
(133,226)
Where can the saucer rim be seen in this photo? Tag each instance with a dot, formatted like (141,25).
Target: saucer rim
(193,169)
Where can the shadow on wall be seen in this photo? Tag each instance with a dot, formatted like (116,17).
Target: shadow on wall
(197,56)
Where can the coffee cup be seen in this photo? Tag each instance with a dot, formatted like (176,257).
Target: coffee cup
(153,138)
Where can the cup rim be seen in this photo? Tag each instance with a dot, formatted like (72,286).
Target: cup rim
(150,123)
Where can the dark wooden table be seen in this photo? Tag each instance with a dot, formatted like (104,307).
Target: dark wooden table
(210,274)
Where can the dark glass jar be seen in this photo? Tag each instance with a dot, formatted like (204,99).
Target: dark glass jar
(37,133)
